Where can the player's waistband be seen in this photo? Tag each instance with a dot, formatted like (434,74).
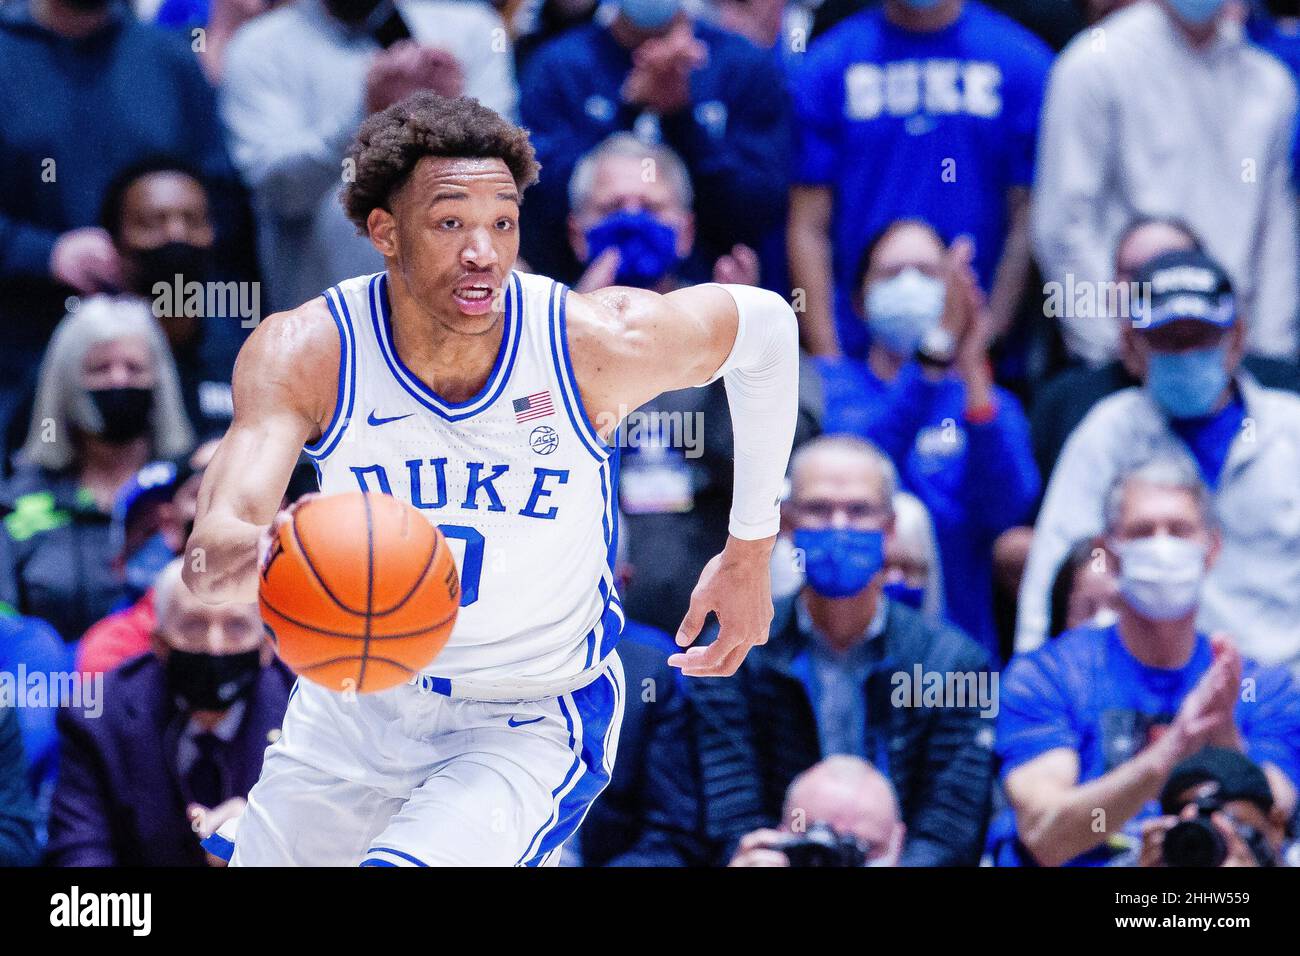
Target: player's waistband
(508,691)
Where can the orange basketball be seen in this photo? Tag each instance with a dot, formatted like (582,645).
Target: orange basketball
(359,591)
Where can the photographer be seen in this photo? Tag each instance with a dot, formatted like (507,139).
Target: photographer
(840,812)
(1094,724)
(1218,811)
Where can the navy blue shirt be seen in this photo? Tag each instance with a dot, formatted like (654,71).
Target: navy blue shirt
(976,480)
(935,125)
(734,136)
(1084,691)
(1210,437)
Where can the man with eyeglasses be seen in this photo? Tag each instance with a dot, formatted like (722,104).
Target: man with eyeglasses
(846,672)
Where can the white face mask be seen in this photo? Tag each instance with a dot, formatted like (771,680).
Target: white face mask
(1160,577)
(901,309)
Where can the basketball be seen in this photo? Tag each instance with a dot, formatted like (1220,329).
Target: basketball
(359,591)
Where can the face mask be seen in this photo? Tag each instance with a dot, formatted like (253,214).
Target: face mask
(904,593)
(840,562)
(901,309)
(1188,384)
(145,564)
(351,11)
(922,4)
(211,681)
(649,14)
(647,248)
(1160,577)
(125,412)
(163,263)
(1198,12)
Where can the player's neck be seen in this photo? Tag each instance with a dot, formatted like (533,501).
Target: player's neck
(1164,644)
(453,355)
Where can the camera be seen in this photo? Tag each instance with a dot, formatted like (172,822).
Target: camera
(1198,842)
(820,845)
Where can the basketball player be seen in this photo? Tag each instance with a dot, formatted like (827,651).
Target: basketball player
(487,398)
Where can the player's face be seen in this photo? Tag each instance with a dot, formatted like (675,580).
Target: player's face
(454,237)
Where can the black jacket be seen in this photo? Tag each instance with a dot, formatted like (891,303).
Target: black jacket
(118,800)
(649,814)
(757,731)
(57,556)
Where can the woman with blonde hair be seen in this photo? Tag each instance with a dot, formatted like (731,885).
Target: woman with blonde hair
(107,402)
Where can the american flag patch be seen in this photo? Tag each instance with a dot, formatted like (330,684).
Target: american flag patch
(533,406)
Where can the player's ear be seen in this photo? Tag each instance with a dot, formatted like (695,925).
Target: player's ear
(383,232)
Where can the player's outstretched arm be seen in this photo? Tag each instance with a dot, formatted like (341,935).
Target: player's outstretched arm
(629,346)
(284,389)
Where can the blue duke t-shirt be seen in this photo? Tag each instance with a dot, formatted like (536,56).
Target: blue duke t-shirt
(933,125)
(1085,691)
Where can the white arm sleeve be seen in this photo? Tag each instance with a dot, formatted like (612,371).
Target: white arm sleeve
(762,379)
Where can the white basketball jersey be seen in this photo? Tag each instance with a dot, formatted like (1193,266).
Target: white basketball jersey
(516,477)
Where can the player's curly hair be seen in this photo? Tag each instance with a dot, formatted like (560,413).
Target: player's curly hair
(392,141)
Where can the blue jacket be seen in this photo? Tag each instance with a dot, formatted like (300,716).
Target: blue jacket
(37,647)
(17,811)
(977,480)
(735,143)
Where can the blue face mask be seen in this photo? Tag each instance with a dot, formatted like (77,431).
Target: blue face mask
(902,308)
(840,562)
(1198,12)
(905,594)
(649,14)
(1188,384)
(647,248)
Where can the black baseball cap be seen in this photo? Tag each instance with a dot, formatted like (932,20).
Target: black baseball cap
(1186,284)
(1238,777)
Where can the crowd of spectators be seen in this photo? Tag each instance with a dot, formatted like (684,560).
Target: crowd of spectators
(1037,589)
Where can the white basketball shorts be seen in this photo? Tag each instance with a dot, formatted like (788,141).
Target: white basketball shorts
(409,777)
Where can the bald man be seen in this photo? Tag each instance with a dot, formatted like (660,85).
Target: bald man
(179,743)
(846,793)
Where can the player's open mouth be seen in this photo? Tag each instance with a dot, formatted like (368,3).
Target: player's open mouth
(473,299)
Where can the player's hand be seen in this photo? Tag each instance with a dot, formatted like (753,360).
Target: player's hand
(205,821)
(735,585)
(86,260)
(757,849)
(282,517)
(738,267)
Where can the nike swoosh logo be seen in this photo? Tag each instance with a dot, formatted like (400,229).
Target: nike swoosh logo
(519,723)
(384,421)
